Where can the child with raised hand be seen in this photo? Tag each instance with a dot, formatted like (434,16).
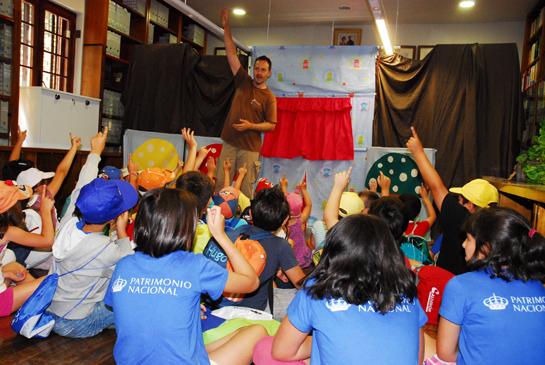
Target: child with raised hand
(161,285)
(455,210)
(12,230)
(340,204)
(360,302)
(78,305)
(495,314)
(298,221)
(414,205)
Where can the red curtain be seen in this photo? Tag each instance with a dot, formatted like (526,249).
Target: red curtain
(314,128)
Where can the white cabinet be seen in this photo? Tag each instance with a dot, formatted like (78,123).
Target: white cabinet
(49,115)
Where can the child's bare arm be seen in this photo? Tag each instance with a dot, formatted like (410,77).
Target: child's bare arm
(430,175)
(64,166)
(308,203)
(284,184)
(226,173)
(429,206)
(179,167)
(243,279)
(331,211)
(192,155)
(16,151)
(203,152)
(132,167)
(241,175)
(211,167)
(384,183)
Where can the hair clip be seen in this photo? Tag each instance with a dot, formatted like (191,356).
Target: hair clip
(531,233)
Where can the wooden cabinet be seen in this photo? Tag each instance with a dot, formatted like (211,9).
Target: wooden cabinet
(104,69)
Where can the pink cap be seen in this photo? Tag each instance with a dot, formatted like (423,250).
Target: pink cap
(296,204)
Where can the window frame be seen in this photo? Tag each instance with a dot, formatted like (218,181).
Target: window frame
(39,32)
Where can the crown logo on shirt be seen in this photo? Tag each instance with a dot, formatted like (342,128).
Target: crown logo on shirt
(336,305)
(118,284)
(495,302)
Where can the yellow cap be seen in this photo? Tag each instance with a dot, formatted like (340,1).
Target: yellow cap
(480,192)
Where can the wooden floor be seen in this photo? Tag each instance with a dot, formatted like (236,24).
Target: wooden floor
(16,349)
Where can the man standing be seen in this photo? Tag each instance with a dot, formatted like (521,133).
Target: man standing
(253,111)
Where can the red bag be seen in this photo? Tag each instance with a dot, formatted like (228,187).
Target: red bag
(430,283)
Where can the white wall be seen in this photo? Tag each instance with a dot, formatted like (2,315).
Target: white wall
(408,34)
(78,7)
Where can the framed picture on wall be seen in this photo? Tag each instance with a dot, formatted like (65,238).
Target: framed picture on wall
(406,51)
(423,51)
(347,37)
(220,51)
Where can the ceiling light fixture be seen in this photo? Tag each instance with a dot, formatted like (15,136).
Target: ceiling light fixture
(345,8)
(380,20)
(239,12)
(205,22)
(467,4)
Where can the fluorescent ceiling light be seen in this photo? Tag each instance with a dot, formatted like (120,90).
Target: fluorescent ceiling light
(239,12)
(467,4)
(383,31)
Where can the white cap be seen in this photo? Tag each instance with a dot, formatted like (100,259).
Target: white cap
(33,176)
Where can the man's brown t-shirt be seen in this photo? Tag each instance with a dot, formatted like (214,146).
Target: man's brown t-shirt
(252,104)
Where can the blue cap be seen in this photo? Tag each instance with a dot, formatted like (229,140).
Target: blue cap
(112,173)
(103,200)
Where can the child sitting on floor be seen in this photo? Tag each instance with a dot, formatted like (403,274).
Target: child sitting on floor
(78,305)
(495,313)
(298,221)
(12,229)
(360,302)
(161,286)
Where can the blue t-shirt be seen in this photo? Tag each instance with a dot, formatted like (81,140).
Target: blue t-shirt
(356,334)
(156,307)
(500,322)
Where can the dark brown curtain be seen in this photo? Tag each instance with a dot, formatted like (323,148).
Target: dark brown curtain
(170,86)
(463,100)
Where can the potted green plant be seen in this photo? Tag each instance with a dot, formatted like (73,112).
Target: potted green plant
(533,163)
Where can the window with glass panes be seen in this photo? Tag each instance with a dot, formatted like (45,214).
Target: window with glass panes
(47,45)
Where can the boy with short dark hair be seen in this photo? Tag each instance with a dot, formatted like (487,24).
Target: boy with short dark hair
(269,211)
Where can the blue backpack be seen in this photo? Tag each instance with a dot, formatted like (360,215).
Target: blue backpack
(31,319)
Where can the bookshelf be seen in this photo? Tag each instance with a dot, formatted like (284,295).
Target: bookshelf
(533,73)
(112,29)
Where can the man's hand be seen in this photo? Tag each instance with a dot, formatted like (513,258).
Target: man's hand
(189,138)
(224,13)
(98,142)
(76,141)
(244,125)
(342,179)
(414,144)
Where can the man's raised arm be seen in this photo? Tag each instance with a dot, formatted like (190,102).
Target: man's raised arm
(230,47)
